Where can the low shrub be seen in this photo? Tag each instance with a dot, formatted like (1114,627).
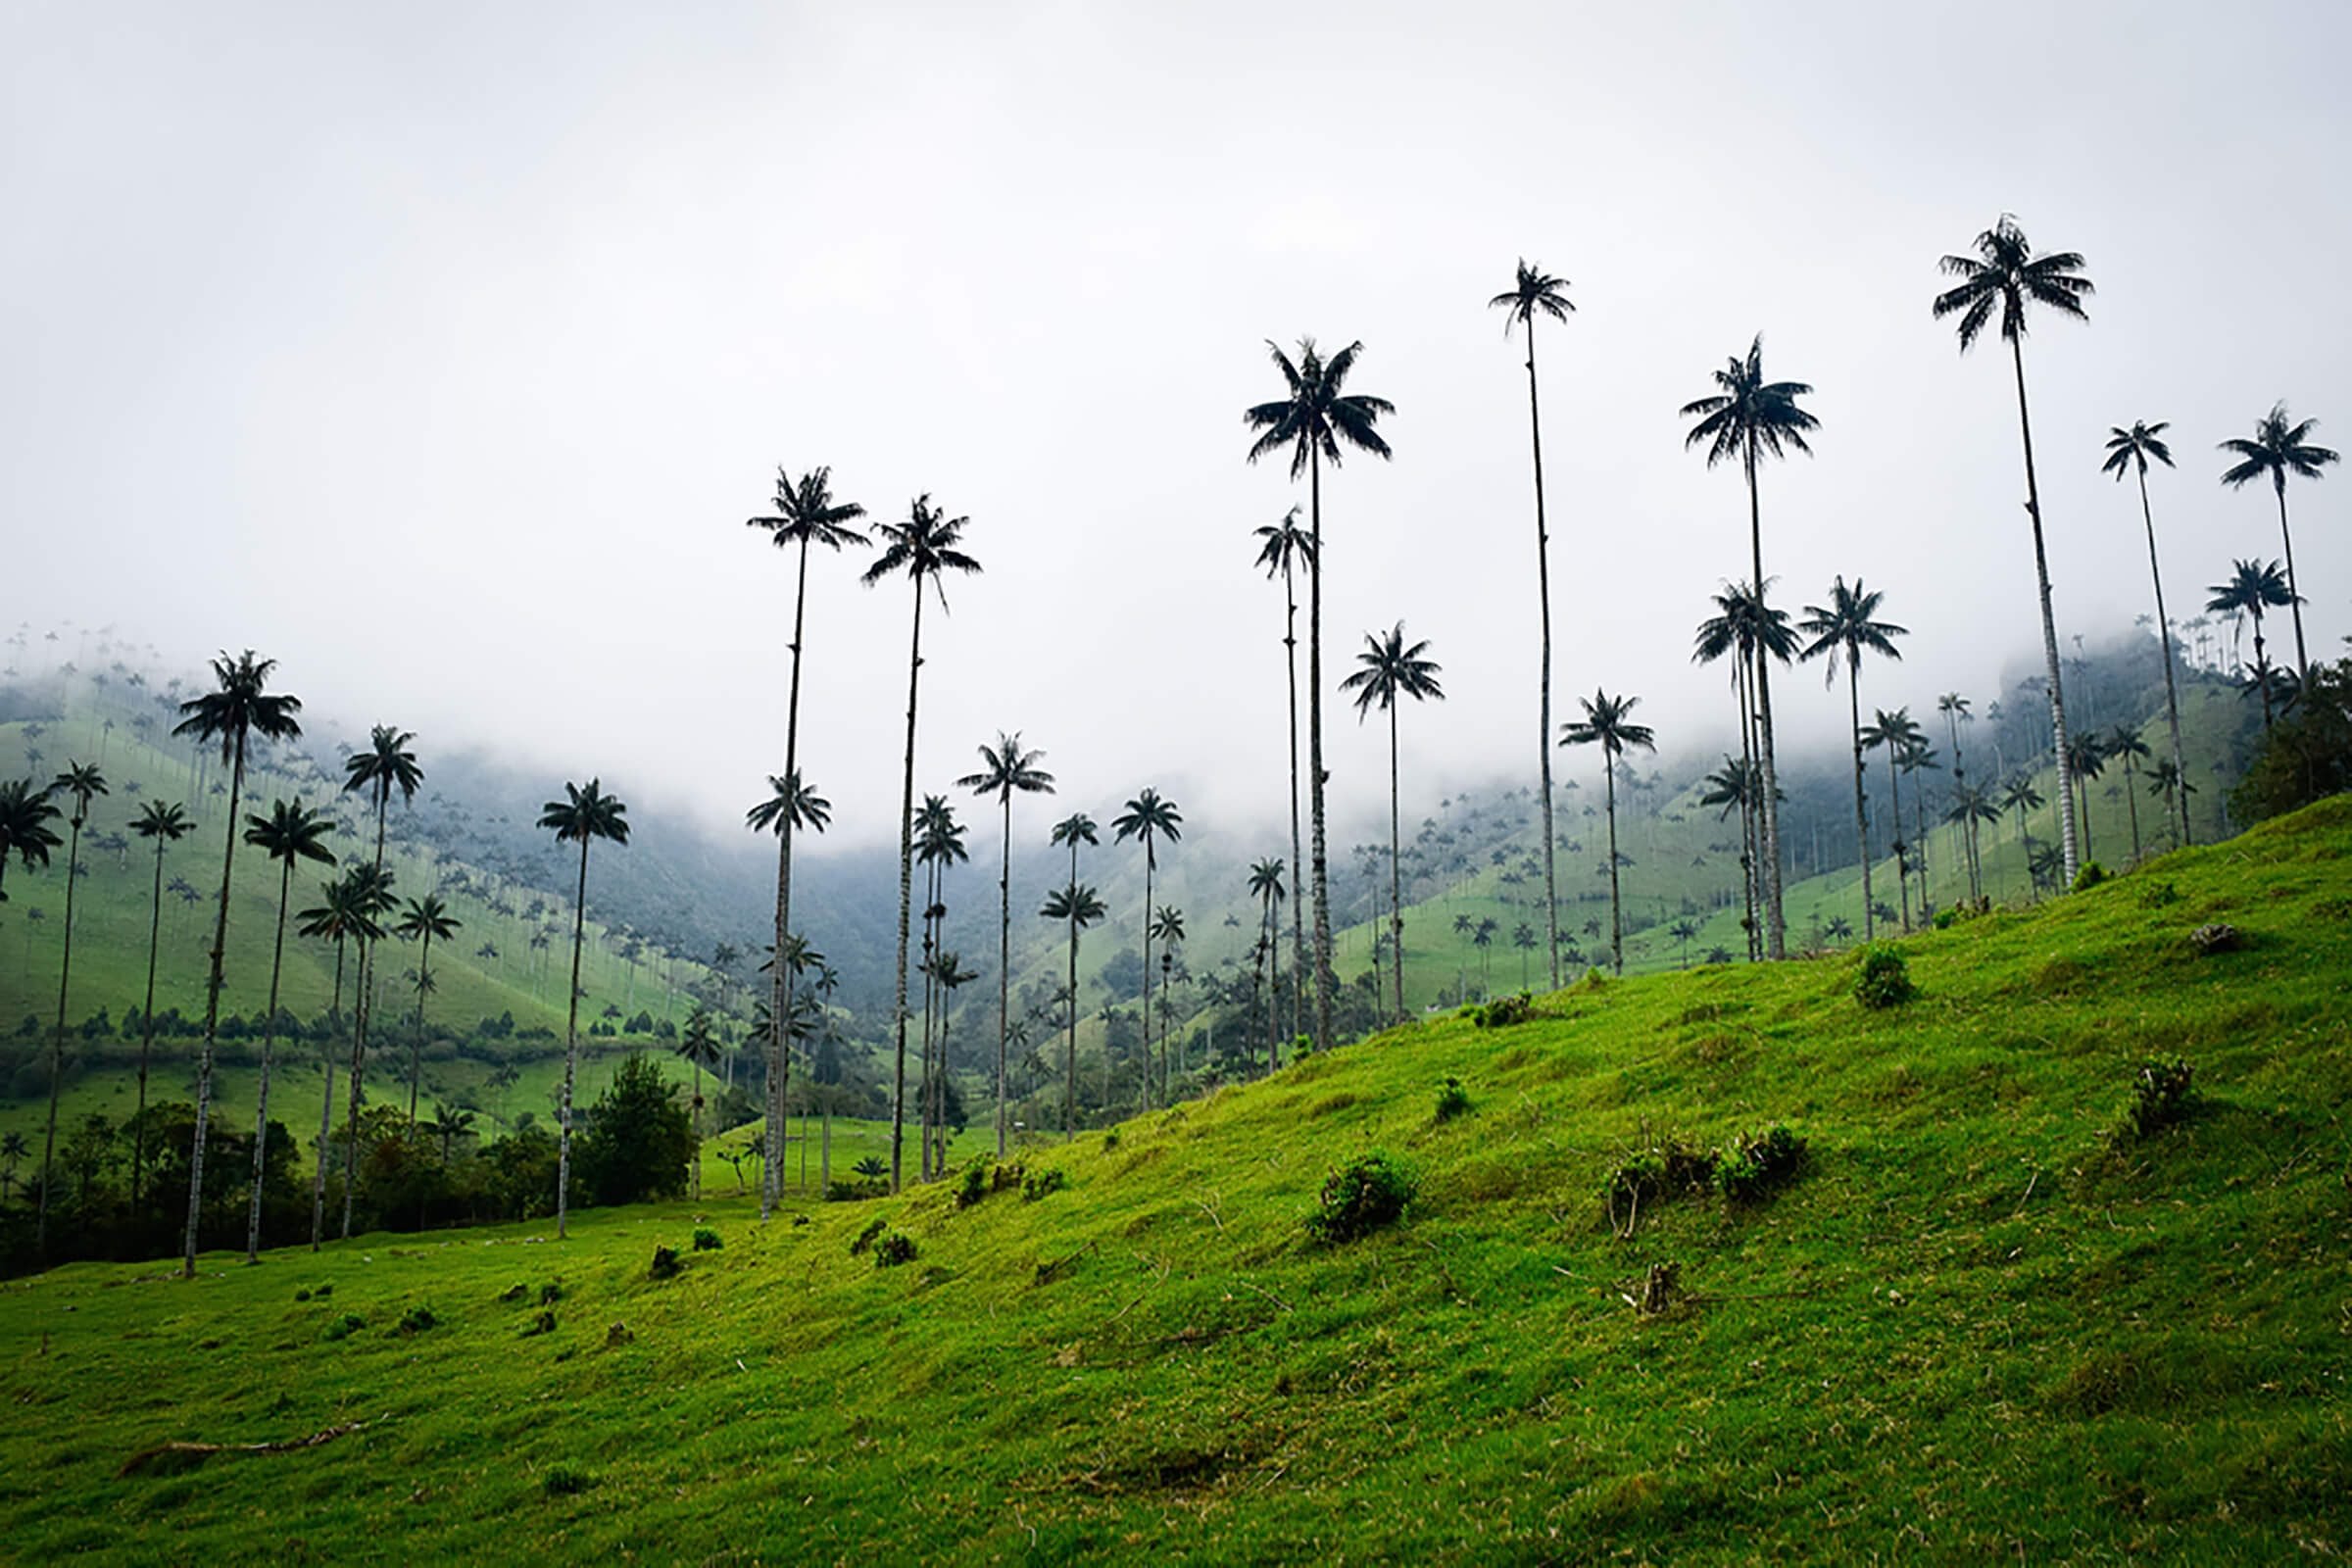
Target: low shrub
(550,1294)
(2089,876)
(706,1239)
(1504,1012)
(871,1169)
(2159,895)
(1453,1100)
(2163,1094)
(544,1323)
(1754,1167)
(2217,937)
(1110,1139)
(1661,1172)
(665,1264)
(566,1481)
(865,1239)
(344,1326)
(1006,1177)
(1042,1184)
(856,1191)
(1885,980)
(893,1247)
(416,1320)
(1365,1195)
(972,1185)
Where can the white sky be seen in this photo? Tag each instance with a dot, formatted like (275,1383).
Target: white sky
(440,351)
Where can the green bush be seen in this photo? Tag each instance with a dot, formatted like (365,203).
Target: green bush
(972,1185)
(893,1247)
(665,1264)
(865,1238)
(871,1169)
(2163,1094)
(856,1191)
(566,1481)
(2089,876)
(1042,1184)
(1453,1100)
(706,1239)
(640,1140)
(416,1320)
(1368,1193)
(344,1326)
(1885,979)
(1504,1012)
(1757,1166)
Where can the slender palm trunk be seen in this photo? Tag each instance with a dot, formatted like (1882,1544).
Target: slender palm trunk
(1289,646)
(57,1047)
(2081,803)
(1775,925)
(1069,1057)
(779,1045)
(2131,804)
(1853,689)
(261,1115)
(211,1013)
(1396,879)
(1608,775)
(1895,807)
(1003,966)
(898,1097)
(155,940)
(1325,976)
(1273,930)
(424,960)
(2262,670)
(571,1054)
(1551,896)
(1750,862)
(2164,633)
(2049,630)
(1147,870)
(363,1010)
(2294,600)
(326,1113)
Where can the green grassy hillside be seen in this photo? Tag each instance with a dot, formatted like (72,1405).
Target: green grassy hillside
(1978,1324)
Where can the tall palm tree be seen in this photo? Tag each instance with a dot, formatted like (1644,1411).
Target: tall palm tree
(291,832)
(1733,788)
(25,817)
(1148,817)
(582,817)
(2124,744)
(2006,276)
(925,548)
(1314,421)
(947,971)
(2130,451)
(1899,734)
(698,1046)
(82,781)
(2171,785)
(1387,669)
(1744,419)
(1287,549)
(1167,926)
(1917,757)
(239,706)
(792,805)
(1845,629)
(2278,448)
(1007,769)
(165,825)
(2254,586)
(938,847)
(1743,625)
(369,892)
(1535,292)
(806,513)
(1970,806)
(1607,722)
(2019,796)
(1078,907)
(385,764)
(343,915)
(2086,759)
(425,919)
(1265,886)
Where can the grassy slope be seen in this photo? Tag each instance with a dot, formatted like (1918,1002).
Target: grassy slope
(1970,1330)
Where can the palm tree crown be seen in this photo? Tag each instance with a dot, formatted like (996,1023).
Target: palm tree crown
(1388,669)
(1533,292)
(25,817)
(239,705)
(794,796)
(1606,721)
(1285,546)
(808,515)
(1315,418)
(2278,449)
(1848,626)
(1750,415)
(2130,451)
(291,832)
(2006,276)
(924,547)
(586,813)
(385,765)
(1148,816)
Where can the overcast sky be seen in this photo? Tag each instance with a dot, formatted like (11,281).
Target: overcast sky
(440,352)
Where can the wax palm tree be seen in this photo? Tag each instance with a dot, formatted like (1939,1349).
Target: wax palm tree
(2130,451)
(291,832)
(1845,629)
(1007,769)
(1534,293)
(1266,886)
(25,832)
(239,706)
(1918,757)
(384,765)
(806,513)
(2086,759)
(1167,927)
(1745,418)
(947,971)
(2278,449)
(345,914)
(369,893)
(1481,937)
(2126,746)
(1285,549)
(1897,733)
(792,805)
(2165,780)
(81,782)
(166,825)
(1970,806)
(2007,276)
(426,919)
(925,548)
(1387,669)
(1077,907)
(938,847)
(1744,626)
(1607,722)
(698,1047)
(1148,817)
(2253,587)
(449,1124)
(14,1150)
(1314,421)
(582,817)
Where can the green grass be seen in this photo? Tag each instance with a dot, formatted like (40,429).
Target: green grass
(1975,1328)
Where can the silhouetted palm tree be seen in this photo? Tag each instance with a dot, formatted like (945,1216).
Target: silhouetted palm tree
(2006,276)
(697,1047)
(2253,587)
(2124,744)
(1007,769)
(425,919)
(1534,293)
(938,847)
(1747,417)
(1387,669)
(2167,782)
(582,817)
(925,548)
(25,817)
(791,806)
(806,513)
(1266,886)
(344,915)
(1286,549)
(1078,907)
(1167,928)
(1743,626)
(1898,733)
(1314,421)
(1970,806)
(386,765)
(1148,817)
(291,832)
(1845,628)
(1918,757)
(2278,449)
(165,825)
(238,707)
(369,888)
(82,781)
(1606,721)
(2130,451)
(2086,759)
